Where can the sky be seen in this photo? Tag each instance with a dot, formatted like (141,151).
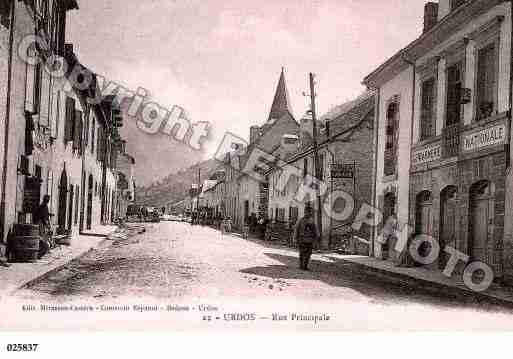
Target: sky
(221,60)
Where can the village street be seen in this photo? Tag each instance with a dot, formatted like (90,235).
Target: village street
(179,264)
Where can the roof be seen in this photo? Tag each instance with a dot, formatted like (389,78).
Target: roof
(428,40)
(281,103)
(343,125)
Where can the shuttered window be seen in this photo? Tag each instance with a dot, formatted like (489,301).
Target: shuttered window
(38,83)
(427,110)
(29,85)
(69,120)
(5,13)
(454,85)
(99,146)
(456,3)
(86,131)
(77,132)
(486,81)
(44,98)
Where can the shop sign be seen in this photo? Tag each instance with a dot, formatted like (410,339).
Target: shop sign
(427,154)
(491,136)
(341,170)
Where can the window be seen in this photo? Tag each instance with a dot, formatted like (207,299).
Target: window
(454,85)
(38,83)
(69,121)
(486,82)
(5,13)
(305,167)
(427,109)
(456,3)
(93,130)
(391,139)
(77,131)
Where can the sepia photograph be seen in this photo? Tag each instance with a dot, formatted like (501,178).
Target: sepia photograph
(239,166)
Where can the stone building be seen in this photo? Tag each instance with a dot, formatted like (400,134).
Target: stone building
(444,118)
(55,141)
(28,126)
(250,194)
(345,164)
(125,167)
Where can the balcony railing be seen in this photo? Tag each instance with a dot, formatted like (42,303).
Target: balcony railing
(451,140)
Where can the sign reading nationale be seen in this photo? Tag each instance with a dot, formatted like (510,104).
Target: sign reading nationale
(491,136)
(428,154)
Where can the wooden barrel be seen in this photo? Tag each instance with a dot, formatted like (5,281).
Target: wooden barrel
(26,230)
(26,248)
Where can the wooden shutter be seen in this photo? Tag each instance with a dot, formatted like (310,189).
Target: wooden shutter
(29,88)
(486,81)
(69,120)
(45,90)
(86,129)
(93,132)
(38,82)
(99,143)
(77,132)
(427,110)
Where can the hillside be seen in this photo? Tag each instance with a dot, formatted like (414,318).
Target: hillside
(174,187)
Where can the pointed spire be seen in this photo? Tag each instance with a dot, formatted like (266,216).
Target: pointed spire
(281,102)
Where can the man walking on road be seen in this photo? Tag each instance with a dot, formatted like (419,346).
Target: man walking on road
(305,235)
(42,217)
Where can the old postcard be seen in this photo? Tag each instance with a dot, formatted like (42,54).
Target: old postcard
(185,165)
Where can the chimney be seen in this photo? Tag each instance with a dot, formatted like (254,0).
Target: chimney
(430,15)
(254,133)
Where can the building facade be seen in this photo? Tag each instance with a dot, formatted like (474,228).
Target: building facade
(445,119)
(345,164)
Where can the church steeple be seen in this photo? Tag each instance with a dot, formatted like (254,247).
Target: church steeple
(281,102)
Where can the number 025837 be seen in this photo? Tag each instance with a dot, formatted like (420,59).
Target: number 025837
(22,347)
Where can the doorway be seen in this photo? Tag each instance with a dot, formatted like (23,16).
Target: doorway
(63,197)
(448,206)
(89,202)
(481,219)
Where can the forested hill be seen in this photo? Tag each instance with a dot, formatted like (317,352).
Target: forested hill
(174,187)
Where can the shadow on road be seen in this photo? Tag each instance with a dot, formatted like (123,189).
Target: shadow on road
(378,287)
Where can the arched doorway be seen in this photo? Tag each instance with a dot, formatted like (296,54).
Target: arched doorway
(63,193)
(448,206)
(424,204)
(89,201)
(482,213)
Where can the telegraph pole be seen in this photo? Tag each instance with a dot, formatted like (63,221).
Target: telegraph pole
(199,191)
(316,152)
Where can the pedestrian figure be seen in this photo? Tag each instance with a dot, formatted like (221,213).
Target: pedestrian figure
(306,235)
(41,217)
(390,231)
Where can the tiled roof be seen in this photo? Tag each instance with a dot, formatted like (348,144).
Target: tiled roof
(281,103)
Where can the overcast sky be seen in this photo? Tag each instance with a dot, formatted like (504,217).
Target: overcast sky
(220,60)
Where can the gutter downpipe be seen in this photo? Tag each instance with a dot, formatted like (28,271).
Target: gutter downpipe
(375,171)
(7,122)
(414,94)
(508,161)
